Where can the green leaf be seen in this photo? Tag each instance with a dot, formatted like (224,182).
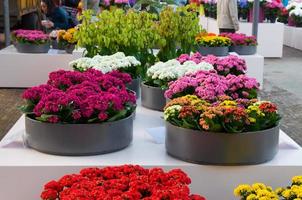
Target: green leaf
(118,115)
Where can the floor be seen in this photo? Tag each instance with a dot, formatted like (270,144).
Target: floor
(282,84)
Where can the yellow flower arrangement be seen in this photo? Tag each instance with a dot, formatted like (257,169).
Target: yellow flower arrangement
(211,40)
(257,191)
(67,36)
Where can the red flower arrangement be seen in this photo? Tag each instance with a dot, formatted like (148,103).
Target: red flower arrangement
(75,97)
(127,182)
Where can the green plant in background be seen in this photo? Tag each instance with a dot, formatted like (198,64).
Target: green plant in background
(178,30)
(152,6)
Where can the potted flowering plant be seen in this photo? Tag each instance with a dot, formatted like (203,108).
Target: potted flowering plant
(158,77)
(209,85)
(241,43)
(283,16)
(67,39)
(271,10)
(296,14)
(212,44)
(224,132)
(261,11)
(30,41)
(121,182)
(117,61)
(262,191)
(223,65)
(79,113)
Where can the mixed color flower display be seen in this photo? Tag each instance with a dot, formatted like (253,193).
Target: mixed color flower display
(259,191)
(30,36)
(223,65)
(76,97)
(209,85)
(127,182)
(105,64)
(225,115)
(160,74)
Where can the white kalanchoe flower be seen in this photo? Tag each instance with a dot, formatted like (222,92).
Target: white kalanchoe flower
(171,111)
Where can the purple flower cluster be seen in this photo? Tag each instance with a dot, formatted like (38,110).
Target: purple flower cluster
(30,36)
(75,97)
(240,39)
(210,85)
(224,66)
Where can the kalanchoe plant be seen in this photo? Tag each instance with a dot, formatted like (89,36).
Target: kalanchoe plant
(224,115)
(205,40)
(75,97)
(30,36)
(255,191)
(209,85)
(122,182)
(67,37)
(160,74)
(293,191)
(240,39)
(105,64)
(224,66)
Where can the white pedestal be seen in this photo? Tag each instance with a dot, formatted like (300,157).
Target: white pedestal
(26,171)
(26,70)
(270,36)
(292,37)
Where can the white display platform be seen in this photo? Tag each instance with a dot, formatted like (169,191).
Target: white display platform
(24,171)
(292,37)
(270,35)
(26,70)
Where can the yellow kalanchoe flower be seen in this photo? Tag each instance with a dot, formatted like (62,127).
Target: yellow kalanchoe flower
(242,190)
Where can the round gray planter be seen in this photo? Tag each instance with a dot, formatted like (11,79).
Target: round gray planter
(32,48)
(244,50)
(221,148)
(153,97)
(56,45)
(216,51)
(79,139)
(69,48)
(135,86)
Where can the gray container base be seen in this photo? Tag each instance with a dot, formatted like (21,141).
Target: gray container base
(135,86)
(216,51)
(79,139)
(221,148)
(244,50)
(153,97)
(32,48)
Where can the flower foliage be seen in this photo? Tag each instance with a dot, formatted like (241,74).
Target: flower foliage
(240,39)
(67,36)
(75,97)
(127,182)
(209,85)
(105,64)
(30,36)
(224,115)
(160,74)
(224,66)
(205,40)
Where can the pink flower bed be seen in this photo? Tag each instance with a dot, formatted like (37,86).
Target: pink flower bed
(30,36)
(240,39)
(75,97)
(210,85)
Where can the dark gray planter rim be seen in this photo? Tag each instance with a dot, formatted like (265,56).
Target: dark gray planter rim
(144,83)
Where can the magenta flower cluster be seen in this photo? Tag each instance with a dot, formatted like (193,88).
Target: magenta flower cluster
(30,36)
(274,4)
(210,85)
(75,97)
(224,66)
(240,39)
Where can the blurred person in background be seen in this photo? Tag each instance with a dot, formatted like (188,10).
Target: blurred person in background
(56,17)
(227,16)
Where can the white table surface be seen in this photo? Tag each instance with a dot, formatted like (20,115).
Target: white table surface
(28,170)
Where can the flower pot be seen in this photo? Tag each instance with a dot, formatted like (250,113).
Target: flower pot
(135,86)
(32,48)
(69,48)
(79,139)
(153,97)
(291,22)
(244,50)
(216,51)
(221,148)
(56,45)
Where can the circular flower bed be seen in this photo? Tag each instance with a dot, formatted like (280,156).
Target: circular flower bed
(126,182)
